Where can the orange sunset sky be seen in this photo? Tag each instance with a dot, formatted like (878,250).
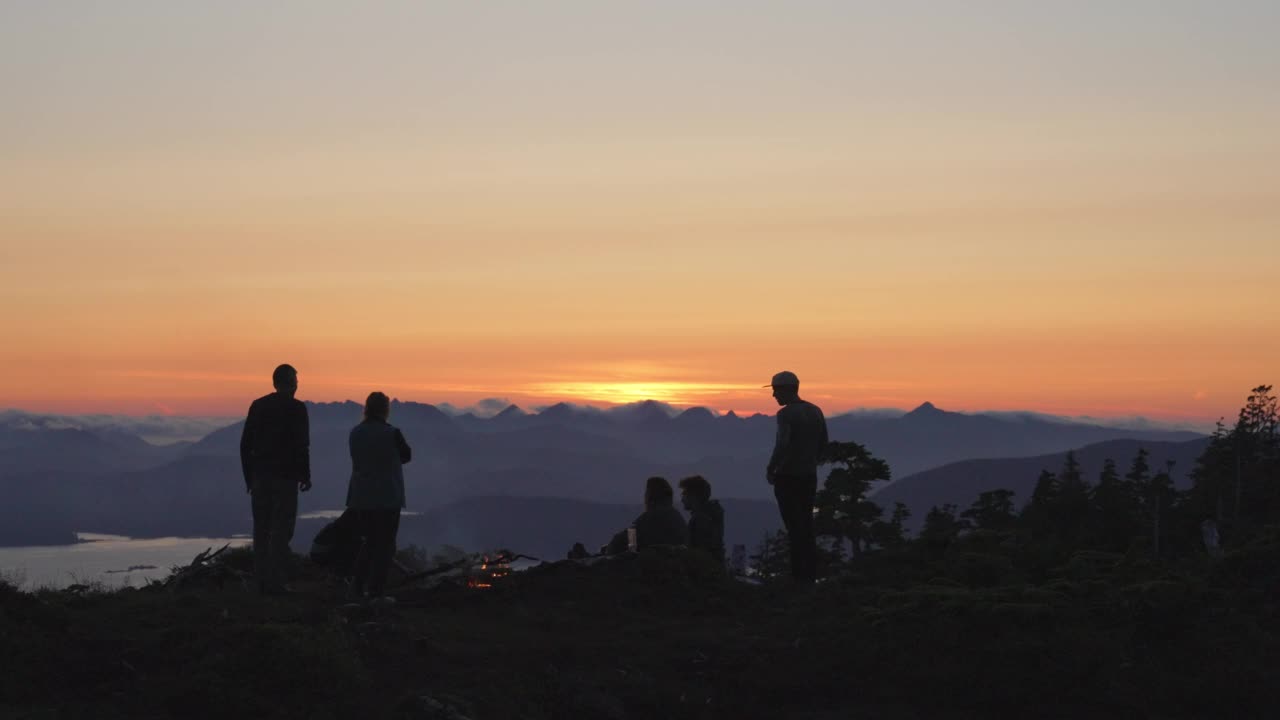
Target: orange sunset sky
(988,205)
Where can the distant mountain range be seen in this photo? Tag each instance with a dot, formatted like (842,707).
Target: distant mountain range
(106,480)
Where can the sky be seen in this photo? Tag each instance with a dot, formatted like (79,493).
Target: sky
(1071,208)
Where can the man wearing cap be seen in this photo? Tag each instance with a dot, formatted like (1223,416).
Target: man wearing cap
(793,471)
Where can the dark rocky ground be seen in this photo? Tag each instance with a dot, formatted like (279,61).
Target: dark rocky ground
(661,635)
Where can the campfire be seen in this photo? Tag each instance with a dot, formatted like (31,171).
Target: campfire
(474,572)
(490,569)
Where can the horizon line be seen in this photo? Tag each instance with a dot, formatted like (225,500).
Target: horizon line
(1189,423)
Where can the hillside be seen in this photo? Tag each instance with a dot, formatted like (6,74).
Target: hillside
(662,635)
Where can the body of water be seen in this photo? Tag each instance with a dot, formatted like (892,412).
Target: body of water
(113,560)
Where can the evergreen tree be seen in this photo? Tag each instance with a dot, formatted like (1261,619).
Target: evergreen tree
(1157,501)
(1260,417)
(1257,447)
(1212,479)
(993,510)
(942,526)
(1236,480)
(1046,489)
(1071,507)
(1037,516)
(891,533)
(843,510)
(1115,510)
(1139,472)
(1138,480)
(772,558)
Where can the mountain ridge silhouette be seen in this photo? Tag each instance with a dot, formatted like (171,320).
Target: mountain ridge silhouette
(86,482)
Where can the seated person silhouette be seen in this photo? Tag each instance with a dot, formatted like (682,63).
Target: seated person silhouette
(338,544)
(706,517)
(659,524)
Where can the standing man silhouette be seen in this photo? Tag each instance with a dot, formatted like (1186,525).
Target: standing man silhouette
(793,471)
(276,460)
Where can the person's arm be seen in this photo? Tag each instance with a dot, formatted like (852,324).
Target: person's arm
(823,437)
(405,453)
(351,448)
(304,448)
(781,445)
(246,447)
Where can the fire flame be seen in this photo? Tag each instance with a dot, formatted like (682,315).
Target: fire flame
(487,574)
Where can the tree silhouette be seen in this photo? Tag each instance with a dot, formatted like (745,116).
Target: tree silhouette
(1257,450)
(1115,510)
(1236,480)
(1038,514)
(891,533)
(1140,471)
(1071,507)
(843,510)
(942,526)
(1158,497)
(993,510)
(1212,479)
(772,558)
(1260,417)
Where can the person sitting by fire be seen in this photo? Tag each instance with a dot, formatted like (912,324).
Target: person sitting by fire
(706,517)
(659,524)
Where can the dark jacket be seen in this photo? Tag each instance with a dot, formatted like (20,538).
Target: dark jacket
(706,529)
(801,440)
(378,452)
(661,524)
(276,439)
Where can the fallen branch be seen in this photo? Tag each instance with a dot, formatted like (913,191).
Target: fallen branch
(503,558)
(202,567)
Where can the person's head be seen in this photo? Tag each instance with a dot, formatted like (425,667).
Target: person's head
(657,491)
(285,380)
(786,387)
(695,492)
(377,407)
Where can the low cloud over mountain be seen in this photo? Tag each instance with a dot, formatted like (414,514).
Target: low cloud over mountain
(155,429)
(485,408)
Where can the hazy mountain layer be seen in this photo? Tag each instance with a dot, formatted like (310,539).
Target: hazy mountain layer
(960,483)
(59,479)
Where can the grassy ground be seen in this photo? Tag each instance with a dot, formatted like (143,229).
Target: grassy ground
(663,636)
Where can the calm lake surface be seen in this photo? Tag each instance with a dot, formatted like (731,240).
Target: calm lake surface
(110,559)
